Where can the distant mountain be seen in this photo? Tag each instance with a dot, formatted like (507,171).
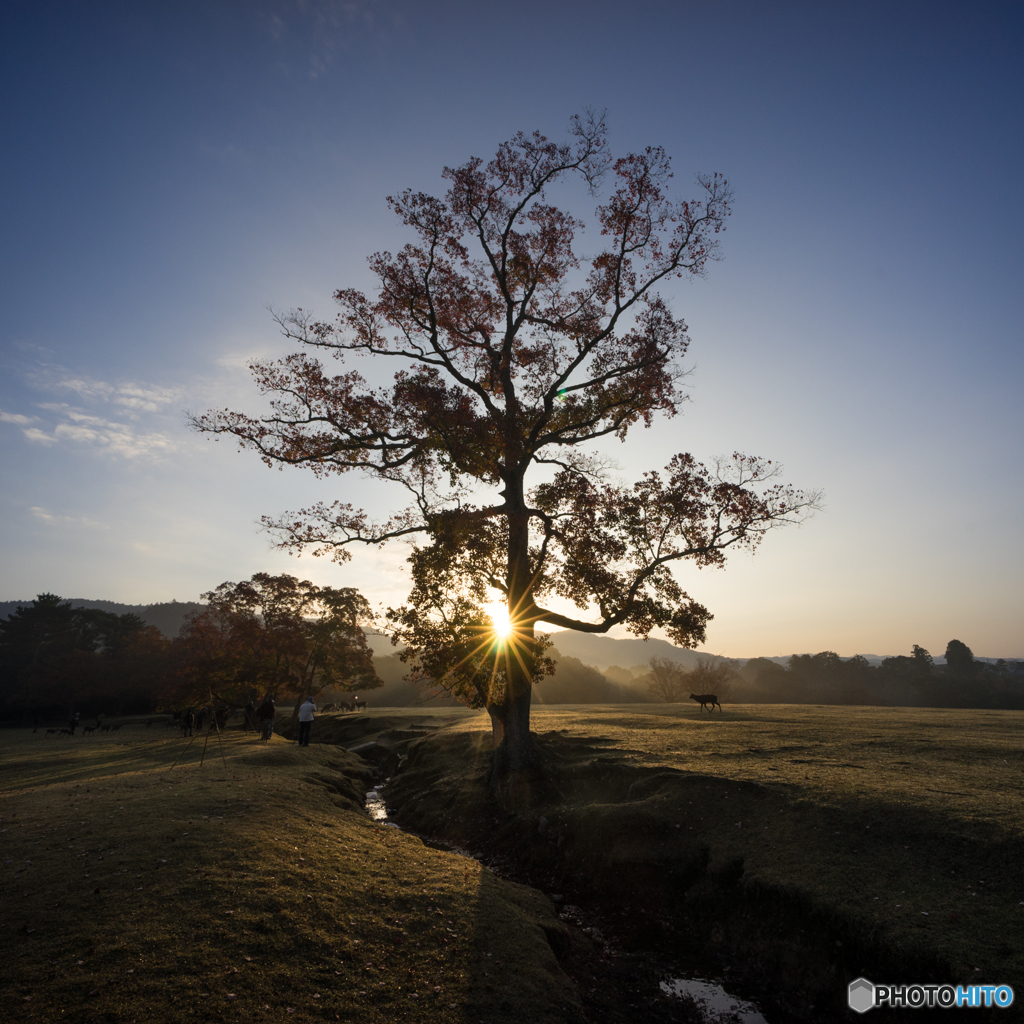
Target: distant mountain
(380,644)
(167,616)
(572,683)
(602,652)
(605,651)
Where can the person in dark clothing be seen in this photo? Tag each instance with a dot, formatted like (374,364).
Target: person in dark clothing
(266,714)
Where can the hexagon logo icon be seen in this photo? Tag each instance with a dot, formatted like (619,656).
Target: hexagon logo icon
(861,995)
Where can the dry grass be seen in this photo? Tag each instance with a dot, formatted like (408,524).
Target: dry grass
(897,833)
(962,764)
(253,887)
(257,888)
(909,822)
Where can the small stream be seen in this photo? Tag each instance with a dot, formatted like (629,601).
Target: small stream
(376,808)
(715,1004)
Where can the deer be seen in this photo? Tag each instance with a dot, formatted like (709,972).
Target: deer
(705,699)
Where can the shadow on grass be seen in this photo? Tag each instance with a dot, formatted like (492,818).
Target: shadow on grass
(137,892)
(801,873)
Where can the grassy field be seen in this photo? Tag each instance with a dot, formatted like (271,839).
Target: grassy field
(251,888)
(822,842)
(816,842)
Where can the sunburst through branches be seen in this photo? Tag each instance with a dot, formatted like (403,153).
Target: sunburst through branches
(472,650)
(501,621)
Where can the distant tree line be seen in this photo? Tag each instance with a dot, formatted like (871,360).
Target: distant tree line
(287,637)
(55,659)
(912,680)
(268,635)
(672,682)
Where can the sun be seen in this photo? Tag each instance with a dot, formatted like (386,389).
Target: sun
(497,611)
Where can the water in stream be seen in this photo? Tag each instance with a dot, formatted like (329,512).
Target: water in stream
(716,1005)
(376,808)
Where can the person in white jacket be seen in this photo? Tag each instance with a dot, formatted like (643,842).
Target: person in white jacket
(306,721)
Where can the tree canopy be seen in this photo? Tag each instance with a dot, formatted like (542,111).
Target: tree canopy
(274,635)
(667,680)
(514,351)
(959,659)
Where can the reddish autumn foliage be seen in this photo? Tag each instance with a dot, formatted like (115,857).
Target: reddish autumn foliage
(273,635)
(513,352)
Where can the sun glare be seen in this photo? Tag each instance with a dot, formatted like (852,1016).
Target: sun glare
(498,613)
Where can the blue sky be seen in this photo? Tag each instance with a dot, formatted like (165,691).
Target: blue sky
(170,169)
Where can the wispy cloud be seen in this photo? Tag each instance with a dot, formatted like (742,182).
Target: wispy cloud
(145,399)
(118,438)
(123,419)
(86,389)
(139,397)
(325,28)
(55,520)
(16,417)
(39,436)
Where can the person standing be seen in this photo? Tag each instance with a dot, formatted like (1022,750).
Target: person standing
(306,721)
(267,713)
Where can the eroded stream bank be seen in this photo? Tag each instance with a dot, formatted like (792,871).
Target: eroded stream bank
(700,999)
(609,875)
(617,979)
(778,887)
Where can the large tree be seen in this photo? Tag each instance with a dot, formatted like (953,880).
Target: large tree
(277,635)
(514,352)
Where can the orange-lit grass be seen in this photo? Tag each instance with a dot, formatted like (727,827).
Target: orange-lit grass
(132,891)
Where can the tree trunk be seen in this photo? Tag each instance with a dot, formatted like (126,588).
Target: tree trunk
(513,744)
(514,751)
